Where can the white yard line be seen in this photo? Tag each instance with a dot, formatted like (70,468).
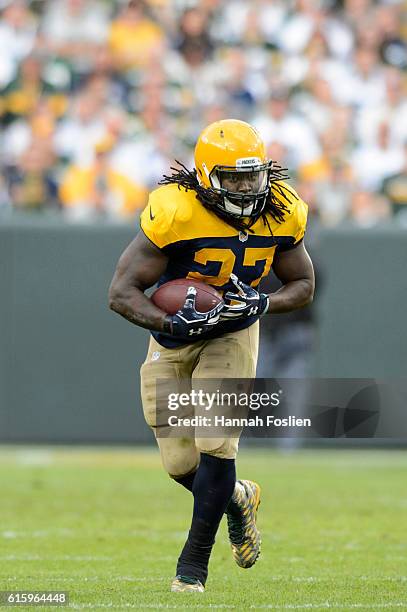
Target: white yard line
(78,579)
(11,534)
(28,557)
(310,606)
(157,578)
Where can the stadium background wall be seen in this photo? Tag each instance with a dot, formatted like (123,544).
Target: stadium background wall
(69,368)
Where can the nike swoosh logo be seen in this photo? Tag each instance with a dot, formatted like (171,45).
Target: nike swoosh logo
(152,217)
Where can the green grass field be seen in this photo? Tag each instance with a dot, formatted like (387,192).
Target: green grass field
(107,526)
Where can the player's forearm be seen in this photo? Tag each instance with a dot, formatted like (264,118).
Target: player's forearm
(291,296)
(137,308)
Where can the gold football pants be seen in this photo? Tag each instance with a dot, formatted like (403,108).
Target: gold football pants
(232,355)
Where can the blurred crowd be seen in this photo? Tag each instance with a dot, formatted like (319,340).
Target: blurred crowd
(99,97)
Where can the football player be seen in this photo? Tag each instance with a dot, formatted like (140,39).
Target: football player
(227,223)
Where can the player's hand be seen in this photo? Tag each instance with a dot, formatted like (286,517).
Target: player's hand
(188,322)
(246,302)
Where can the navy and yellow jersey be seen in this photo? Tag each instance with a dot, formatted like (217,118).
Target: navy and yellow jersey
(202,246)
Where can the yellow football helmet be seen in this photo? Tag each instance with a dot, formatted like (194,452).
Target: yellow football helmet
(231,161)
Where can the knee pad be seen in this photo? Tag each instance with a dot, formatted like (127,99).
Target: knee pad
(223,448)
(181,471)
(179,456)
(178,477)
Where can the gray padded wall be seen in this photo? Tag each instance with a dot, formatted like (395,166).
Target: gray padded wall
(363,306)
(69,366)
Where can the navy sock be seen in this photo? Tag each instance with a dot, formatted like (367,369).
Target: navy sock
(187,480)
(212,489)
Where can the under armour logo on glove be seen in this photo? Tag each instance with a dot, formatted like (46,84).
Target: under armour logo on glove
(195,331)
(189,322)
(253,310)
(246,302)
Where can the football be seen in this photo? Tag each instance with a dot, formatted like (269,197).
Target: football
(171,296)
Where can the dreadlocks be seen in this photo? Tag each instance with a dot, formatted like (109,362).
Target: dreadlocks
(188,179)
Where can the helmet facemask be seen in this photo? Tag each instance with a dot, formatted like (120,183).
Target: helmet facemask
(243,188)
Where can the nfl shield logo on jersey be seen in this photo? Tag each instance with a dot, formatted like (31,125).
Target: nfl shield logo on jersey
(243,236)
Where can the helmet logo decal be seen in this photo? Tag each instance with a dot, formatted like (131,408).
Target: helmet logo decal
(243,162)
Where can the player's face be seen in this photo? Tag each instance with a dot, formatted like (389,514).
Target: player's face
(243,182)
